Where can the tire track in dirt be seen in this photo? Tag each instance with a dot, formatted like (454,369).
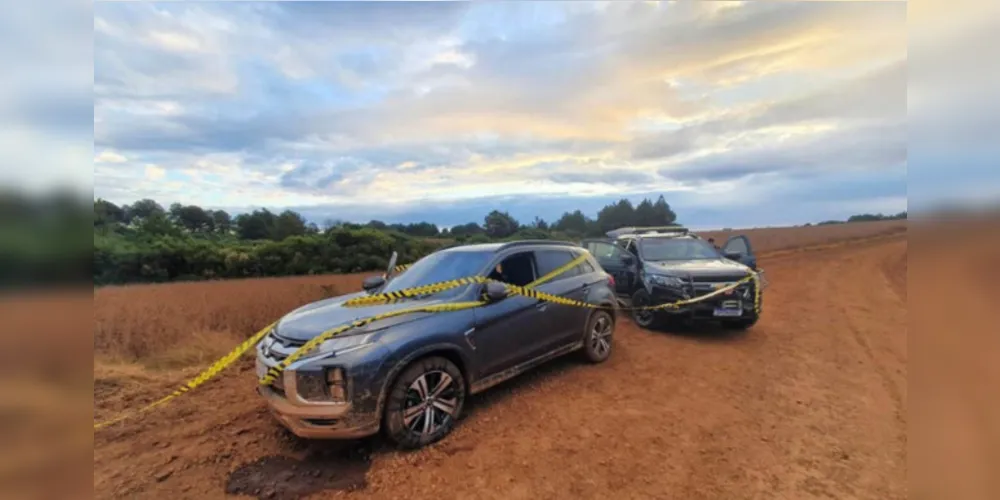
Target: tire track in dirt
(801,406)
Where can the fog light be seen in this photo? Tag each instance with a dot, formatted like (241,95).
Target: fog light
(310,386)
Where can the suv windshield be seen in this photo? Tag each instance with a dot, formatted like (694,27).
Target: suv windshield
(676,249)
(440,266)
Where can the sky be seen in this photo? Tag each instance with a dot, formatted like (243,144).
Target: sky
(739,113)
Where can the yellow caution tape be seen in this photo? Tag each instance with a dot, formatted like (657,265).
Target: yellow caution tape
(203,377)
(416,291)
(391,297)
(275,371)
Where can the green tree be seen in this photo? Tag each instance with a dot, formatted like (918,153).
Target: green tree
(191,217)
(664,215)
(616,215)
(107,213)
(645,213)
(257,225)
(574,223)
(287,224)
(500,224)
(142,209)
(467,229)
(221,221)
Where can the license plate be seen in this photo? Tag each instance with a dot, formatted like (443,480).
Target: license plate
(729,309)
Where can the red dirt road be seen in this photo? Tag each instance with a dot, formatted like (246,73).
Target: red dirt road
(810,403)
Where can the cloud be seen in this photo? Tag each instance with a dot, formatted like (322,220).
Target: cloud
(337,104)
(154,172)
(108,156)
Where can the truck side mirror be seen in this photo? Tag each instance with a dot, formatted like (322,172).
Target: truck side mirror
(372,282)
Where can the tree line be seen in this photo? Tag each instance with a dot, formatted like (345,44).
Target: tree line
(145,242)
(864,218)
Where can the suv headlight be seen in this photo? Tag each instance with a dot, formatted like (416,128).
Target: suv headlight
(663,280)
(340,345)
(328,384)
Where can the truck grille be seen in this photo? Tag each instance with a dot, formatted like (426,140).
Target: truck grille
(718,279)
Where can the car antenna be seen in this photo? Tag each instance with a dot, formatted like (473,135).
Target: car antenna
(392,265)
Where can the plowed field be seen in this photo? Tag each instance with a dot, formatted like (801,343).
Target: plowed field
(810,403)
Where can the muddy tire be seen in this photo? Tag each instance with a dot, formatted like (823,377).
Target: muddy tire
(424,403)
(645,319)
(598,337)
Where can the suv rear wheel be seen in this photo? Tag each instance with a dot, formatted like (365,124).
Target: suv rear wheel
(597,339)
(424,403)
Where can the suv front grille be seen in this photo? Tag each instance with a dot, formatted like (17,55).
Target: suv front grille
(277,348)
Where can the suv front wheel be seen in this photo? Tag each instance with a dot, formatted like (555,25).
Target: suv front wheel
(424,403)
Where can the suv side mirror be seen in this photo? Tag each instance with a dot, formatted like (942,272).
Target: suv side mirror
(495,292)
(372,282)
(628,260)
(732,255)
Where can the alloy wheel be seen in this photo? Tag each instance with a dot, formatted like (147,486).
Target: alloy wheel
(600,336)
(431,403)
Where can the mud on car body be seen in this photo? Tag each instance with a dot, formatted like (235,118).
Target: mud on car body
(409,375)
(657,265)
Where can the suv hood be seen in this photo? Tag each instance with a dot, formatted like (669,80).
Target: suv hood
(700,267)
(315,318)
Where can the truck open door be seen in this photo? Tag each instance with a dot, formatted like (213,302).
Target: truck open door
(616,261)
(738,248)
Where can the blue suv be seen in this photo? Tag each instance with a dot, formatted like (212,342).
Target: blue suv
(410,375)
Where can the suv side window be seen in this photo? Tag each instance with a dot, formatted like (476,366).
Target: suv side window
(550,260)
(517,269)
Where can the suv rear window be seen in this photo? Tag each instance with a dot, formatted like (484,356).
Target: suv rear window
(550,260)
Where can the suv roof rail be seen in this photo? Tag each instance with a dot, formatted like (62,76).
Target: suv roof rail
(671,229)
(518,243)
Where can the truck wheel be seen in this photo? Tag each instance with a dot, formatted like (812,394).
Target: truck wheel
(645,319)
(424,403)
(597,337)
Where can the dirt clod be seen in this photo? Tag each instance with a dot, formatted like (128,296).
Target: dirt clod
(282,477)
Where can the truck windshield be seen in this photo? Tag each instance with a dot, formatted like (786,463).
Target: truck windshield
(676,249)
(440,266)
